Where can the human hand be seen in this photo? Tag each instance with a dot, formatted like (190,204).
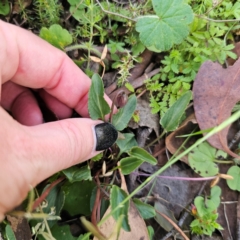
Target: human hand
(31,151)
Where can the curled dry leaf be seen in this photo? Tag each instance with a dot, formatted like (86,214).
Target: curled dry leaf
(216,91)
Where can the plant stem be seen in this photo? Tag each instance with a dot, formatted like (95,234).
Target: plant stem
(223,125)
(223,161)
(158,138)
(81,46)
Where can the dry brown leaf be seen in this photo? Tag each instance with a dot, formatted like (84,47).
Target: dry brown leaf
(216,91)
(137,224)
(173,143)
(17,9)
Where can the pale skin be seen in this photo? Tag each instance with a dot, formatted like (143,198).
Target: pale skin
(30,150)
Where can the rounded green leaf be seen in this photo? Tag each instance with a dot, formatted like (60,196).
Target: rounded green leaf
(56,35)
(169,26)
(142,154)
(129,164)
(234,184)
(4,7)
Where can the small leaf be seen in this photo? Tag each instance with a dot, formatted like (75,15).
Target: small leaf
(104,52)
(129,164)
(117,196)
(95,59)
(77,197)
(146,211)
(4,7)
(97,106)
(170,25)
(9,232)
(76,174)
(97,157)
(234,171)
(142,154)
(150,232)
(122,117)
(207,206)
(171,118)
(201,160)
(129,86)
(160,208)
(127,143)
(57,36)
(62,232)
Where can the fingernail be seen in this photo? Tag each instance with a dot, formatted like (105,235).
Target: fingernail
(106,136)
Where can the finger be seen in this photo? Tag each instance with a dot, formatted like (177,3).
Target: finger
(32,62)
(60,110)
(30,157)
(21,103)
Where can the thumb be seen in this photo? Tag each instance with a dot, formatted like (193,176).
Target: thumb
(31,154)
(58,145)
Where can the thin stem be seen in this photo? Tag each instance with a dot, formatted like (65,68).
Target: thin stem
(223,161)
(223,125)
(178,178)
(82,46)
(158,138)
(113,13)
(217,20)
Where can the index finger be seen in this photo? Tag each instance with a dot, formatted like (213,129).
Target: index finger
(30,61)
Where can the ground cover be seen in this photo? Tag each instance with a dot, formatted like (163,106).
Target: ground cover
(171,69)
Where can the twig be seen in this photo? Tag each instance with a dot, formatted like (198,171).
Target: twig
(46,192)
(238,217)
(113,13)
(74,10)
(225,215)
(217,20)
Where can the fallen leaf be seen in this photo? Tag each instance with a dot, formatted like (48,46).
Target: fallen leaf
(173,143)
(216,91)
(147,119)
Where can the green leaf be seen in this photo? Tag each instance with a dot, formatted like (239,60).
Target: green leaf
(129,164)
(62,233)
(9,233)
(97,157)
(117,196)
(78,196)
(160,208)
(97,106)
(207,206)
(127,143)
(142,154)
(150,232)
(129,86)
(168,27)
(57,36)
(76,174)
(122,117)
(201,160)
(233,184)
(86,236)
(171,118)
(146,211)
(4,7)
